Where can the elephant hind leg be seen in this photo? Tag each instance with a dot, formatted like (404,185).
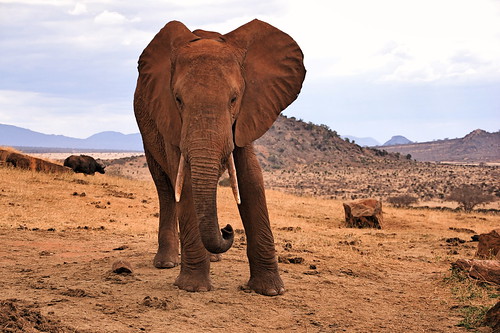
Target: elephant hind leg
(167,255)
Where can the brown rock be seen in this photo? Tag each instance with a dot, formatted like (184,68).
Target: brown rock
(483,270)
(489,245)
(121,267)
(363,213)
(290,260)
(492,317)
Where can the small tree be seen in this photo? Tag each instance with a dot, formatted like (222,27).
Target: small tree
(469,196)
(403,200)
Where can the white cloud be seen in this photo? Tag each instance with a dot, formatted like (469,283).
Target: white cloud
(80,8)
(39,2)
(425,36)
(107,17)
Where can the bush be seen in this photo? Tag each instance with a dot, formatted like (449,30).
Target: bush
(469,196)
(403,200)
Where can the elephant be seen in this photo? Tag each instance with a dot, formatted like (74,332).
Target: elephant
(201,99)
(84,164)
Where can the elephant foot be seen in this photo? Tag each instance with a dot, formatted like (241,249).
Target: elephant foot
(215,257)
(268,284)
(165,260)
(190,281)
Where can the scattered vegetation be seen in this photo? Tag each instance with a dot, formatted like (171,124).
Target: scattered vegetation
(472,296)
(473,316)
(403,200)
(469,196)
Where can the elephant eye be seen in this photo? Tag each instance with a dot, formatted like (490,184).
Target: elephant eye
(178,100)
(233,100)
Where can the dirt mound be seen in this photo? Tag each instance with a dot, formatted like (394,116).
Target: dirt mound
(10,156)
(18,316)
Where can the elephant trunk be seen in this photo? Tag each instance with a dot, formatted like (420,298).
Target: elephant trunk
(205,174)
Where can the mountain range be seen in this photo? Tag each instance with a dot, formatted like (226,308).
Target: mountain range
(476,147)
(289,141)
(397,140)
(109,140)
(363,142)
(21,137)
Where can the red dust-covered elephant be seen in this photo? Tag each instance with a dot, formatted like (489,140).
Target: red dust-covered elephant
(202,98)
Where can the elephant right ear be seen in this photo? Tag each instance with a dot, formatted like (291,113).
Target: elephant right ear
(153,97)
(273,69)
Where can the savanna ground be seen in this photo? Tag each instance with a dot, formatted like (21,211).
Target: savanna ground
(60,234)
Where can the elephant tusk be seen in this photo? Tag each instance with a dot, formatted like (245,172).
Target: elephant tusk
(233,179)
(180,179)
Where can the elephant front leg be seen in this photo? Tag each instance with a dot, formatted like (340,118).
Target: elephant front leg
(167,255)
(264,275)
(195,259)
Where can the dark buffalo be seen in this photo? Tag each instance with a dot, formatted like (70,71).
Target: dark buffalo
(84,164)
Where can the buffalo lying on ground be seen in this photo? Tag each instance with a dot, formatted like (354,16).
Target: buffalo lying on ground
(83,164)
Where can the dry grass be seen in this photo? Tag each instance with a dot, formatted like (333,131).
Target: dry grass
(429,182)
(57,240)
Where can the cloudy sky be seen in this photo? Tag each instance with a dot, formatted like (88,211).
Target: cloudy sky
(425,69)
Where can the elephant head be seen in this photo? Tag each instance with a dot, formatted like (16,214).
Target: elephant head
(208,92)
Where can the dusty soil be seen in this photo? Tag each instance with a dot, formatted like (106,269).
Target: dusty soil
(60,235)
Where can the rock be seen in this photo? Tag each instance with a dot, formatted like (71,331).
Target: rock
(295,260)
(492,317)
(483,270)
(121,267)
(465,230)
(290,260)
(75,293)
(363,213)
(489,245)
(158,303)
(454,241)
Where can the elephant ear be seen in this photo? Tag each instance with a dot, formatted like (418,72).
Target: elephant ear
(273,70)
(153,95)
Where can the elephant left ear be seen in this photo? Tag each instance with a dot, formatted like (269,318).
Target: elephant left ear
(273,70)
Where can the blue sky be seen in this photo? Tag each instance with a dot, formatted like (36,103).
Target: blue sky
(423,69)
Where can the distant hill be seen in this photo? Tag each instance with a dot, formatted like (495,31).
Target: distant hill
(21,137)
(363,142)
(397,140)
(477,146)
(291,142)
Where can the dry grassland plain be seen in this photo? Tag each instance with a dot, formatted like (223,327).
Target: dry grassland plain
(60,234)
